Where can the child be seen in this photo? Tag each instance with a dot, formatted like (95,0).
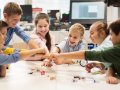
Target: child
(74,41)
(41,34)
(99,34)
(16,55)
(12,13)
(111,54)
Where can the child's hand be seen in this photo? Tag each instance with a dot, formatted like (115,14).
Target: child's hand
(47,63)
(44,53)
(89,66)
(42,50)
(112,80)
(55,57)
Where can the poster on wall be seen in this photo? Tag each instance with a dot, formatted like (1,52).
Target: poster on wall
(35,11)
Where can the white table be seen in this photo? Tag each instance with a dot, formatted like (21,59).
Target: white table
(18,79)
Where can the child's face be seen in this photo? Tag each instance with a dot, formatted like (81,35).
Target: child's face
(12,20)
(115,38)
(95,36)
(42,27)
(3,32)
(74,37)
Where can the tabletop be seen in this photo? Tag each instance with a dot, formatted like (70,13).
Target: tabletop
(29,75)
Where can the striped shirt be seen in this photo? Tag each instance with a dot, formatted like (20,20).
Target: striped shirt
(19,32)
(65,47)
(7,59)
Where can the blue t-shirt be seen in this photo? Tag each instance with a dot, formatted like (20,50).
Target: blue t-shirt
(65,47)
(19,32)
(7,59)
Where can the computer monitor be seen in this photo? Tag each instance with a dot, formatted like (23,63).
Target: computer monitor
(52,13)
(65,18)
(27,13)
(87,11)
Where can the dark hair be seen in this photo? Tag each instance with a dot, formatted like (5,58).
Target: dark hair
(115,3)
(115,27)
(3,24)
(12,8)
(102,26)
(47,37)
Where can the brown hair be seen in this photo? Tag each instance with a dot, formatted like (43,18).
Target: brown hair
(115,27)
(101,26)
(3,24)
(12,8)
(47,37)
(78,27)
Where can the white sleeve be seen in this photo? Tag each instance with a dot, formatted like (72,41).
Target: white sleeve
(62,44)
(103,46)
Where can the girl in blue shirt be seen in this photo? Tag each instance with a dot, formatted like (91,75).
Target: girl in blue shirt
(74,41)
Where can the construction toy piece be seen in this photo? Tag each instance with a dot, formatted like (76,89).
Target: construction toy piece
(42,72)
(78,77)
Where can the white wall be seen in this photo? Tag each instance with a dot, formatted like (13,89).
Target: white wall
(62,5)
(112,14)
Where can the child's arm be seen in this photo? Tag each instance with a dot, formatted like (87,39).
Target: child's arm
(47,62)
(27,53)
(62,57)
(37,56)
(9,51)
(16,56)
(55,50)
(110,78)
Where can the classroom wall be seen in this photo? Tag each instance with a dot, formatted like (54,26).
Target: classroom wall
(62,5)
